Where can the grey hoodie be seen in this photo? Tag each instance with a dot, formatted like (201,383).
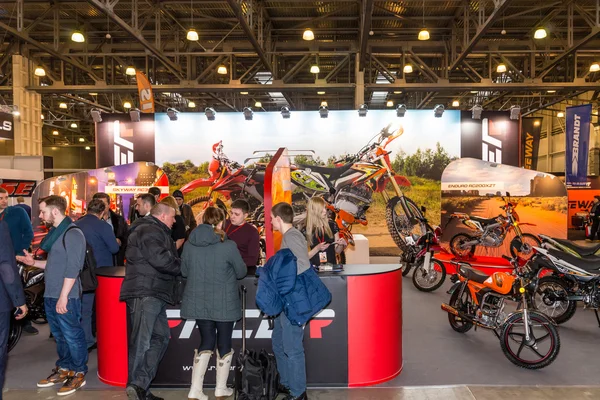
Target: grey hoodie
(212,269)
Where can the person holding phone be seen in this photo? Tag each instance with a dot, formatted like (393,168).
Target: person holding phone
(321,234)
(11,295)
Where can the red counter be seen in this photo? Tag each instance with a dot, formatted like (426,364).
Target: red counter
(355,341)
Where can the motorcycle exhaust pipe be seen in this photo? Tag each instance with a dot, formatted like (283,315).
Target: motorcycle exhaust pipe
(449,309)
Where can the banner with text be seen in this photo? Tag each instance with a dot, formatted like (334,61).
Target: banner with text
(120,141)
(7,126)
(531,129)
(578,137)
(145,93)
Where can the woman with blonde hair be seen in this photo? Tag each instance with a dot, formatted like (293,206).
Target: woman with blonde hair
(321,234)
(178,229)
(212,265)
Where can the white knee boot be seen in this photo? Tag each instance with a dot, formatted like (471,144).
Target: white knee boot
(223,367)
(199,369)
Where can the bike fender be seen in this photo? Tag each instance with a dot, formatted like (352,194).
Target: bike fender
(202,182)
(453,288)
(526,223)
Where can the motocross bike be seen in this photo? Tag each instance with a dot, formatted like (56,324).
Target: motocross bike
(429,273)
(230,179)
(350,187)
(491,232)
(563,280)
(33,286)
(569,247)
(528,338)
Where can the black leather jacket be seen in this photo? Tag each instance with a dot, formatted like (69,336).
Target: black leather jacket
(595,212)
(152,261)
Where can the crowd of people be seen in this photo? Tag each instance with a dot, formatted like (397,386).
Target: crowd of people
(163,244)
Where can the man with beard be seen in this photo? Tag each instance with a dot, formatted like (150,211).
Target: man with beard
(148,287)
(66,247)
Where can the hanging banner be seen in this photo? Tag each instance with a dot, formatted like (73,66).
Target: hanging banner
(120,141)
(145,93)
(531,129)
(493,138)
(7,126)
(578,138)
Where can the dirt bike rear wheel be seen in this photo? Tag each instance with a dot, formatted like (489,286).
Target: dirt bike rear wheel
(399,224)
(429,282)
(550,299)
(456,242)
(197,200)
(457,323)
(14,333)
(542,331)
(406,267)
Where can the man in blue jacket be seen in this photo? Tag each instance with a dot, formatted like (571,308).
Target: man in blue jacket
(287,337)
(21,233)
(101,238)
(11,295)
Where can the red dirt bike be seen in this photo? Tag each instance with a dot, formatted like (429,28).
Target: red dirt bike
(229,179)
(491,232)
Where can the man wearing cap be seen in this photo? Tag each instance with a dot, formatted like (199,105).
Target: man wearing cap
(186,212)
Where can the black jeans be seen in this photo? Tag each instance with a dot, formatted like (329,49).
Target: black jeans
(595,225)
(149,333)
(215,333)
(4,331)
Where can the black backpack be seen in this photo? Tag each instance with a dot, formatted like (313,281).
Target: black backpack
(256,376)
(87,276)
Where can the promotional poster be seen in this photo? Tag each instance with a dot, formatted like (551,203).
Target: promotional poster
(18,187)
(121,183)
(578,139)
(539,203)
(7,130)
(120,141)
(493,138)
(531,129)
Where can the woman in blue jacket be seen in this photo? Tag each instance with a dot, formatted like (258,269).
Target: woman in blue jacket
(212,265)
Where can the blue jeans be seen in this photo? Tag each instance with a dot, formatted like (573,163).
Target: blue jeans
(149,335)
(69,335)
(289,353)
(87,309)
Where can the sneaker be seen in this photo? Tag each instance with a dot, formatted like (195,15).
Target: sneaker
(30,330)
(135,392)
(58,375)
(74,382)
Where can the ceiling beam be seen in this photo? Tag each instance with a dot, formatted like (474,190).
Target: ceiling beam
(26,38)
(548,67)
(550,104)
(237,10)
(108,10)
(481,30)
(365,27)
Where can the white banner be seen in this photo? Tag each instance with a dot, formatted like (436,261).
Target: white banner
(490,187)
(133,189)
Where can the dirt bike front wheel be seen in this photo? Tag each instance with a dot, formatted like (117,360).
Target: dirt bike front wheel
(458,245)
(429,279)
(537,351)
(523,247)
(400,224)
(406,267)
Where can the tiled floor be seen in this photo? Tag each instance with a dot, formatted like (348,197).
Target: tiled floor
(413,393)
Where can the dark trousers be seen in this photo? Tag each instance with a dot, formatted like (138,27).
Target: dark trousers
(148,338)
(68,333)
(4,330)
(215,333)
(595,226)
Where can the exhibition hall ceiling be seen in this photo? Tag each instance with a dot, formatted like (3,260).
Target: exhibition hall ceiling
(478,52)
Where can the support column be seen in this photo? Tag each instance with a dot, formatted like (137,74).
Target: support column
(359,91)
(28,125)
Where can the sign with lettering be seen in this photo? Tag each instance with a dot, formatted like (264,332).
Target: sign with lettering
(18,187)
(120,141)
(493,138)
(531,129)
(578,137)
(7,130)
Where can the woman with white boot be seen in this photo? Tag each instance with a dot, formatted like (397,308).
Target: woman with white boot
(212,265)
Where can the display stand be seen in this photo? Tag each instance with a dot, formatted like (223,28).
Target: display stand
(487,265)
(278,188)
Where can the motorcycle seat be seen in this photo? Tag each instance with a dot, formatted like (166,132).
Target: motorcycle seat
(484,221)
(333,173)
(581,250)
(472,274)
(590,263)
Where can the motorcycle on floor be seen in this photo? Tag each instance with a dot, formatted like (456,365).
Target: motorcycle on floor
(491,232)
(528,338)
(34,286)
(429,273)
(563,280)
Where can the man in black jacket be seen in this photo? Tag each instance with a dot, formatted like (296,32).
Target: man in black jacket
(119,227)
(11,294)
(149,285)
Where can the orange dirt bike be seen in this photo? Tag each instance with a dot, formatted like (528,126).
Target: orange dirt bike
(528,339)
(349,188)
(491,232)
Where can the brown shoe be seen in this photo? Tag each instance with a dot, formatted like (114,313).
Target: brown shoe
(58,375)
(73,382)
